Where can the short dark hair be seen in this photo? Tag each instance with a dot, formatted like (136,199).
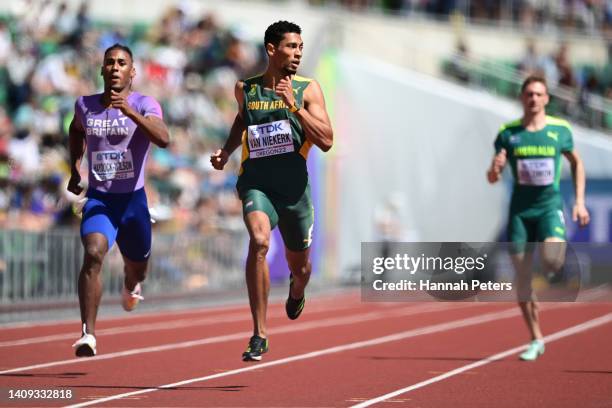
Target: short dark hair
(531,79)
(275,32)
(117,46)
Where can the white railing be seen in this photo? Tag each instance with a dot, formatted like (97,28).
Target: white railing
(593,110)
(44,266)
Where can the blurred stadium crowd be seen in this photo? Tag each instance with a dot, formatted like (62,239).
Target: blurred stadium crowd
(581,92)
(580,15)
(50,54)
(578,86)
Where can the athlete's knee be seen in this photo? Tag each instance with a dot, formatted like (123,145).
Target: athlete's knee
(94,254)
(552,264)
(301,268)
(553,259)
(138,271)
(259,244)
(523,290)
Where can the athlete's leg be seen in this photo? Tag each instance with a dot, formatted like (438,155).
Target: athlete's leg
(98,233)
(300,267)
(522,231)
(552,252)
(528,304)
(523,266)
(551,230)
(90,284)
(134,239)
(135,272)
(257,270)
(260,217)
(296,223)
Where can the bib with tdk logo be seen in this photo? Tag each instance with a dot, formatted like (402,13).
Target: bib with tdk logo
(274,145)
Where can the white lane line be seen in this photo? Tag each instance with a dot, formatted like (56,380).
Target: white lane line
(548,339)
(335,321)
(435,328)
(205,310)
(166,325)
(177,324)
(129,317)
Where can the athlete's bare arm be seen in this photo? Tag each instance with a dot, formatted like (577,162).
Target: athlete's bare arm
(76,142)
(579,212)
(497,166)
(234,140)
(313,117)
(153,127)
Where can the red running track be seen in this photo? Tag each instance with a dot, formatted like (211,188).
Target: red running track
(341,352)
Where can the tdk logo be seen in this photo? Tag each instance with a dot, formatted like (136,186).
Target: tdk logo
(110,156)
(270,128)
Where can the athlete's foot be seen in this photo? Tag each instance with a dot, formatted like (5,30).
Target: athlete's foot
(130,299)
(85,346)
(294,307)
(536,348)
(257,346)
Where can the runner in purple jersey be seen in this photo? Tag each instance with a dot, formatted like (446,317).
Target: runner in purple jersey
(117,127)
(117,147)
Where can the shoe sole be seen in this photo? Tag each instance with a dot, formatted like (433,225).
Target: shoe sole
(251,358)
(540,353)
(84,351)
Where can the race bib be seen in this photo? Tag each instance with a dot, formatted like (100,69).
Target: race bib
(112,165)
(270,139)
(536,172)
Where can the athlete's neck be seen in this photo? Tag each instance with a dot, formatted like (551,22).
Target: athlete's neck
(271,78)
(534,122)
(106,96)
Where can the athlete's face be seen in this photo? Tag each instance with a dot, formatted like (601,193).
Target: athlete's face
(287,56)
(117,70)
(534,98)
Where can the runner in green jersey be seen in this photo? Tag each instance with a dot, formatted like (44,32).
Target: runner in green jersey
(533,145)
(280,116)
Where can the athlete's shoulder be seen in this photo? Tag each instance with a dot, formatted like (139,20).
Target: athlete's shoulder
(509,126)
(299,78)
(255,79)
(302,82)
(90,99)
(146,105)
(558,122)
(89,102)
(142,99)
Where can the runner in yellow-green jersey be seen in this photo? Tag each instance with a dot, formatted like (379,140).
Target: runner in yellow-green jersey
(533,146)
(280,116)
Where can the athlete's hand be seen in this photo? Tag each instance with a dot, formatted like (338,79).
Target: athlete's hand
(219,159)
(498,164)
(73,184)
(580,214)
(284,89)
(120,102)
